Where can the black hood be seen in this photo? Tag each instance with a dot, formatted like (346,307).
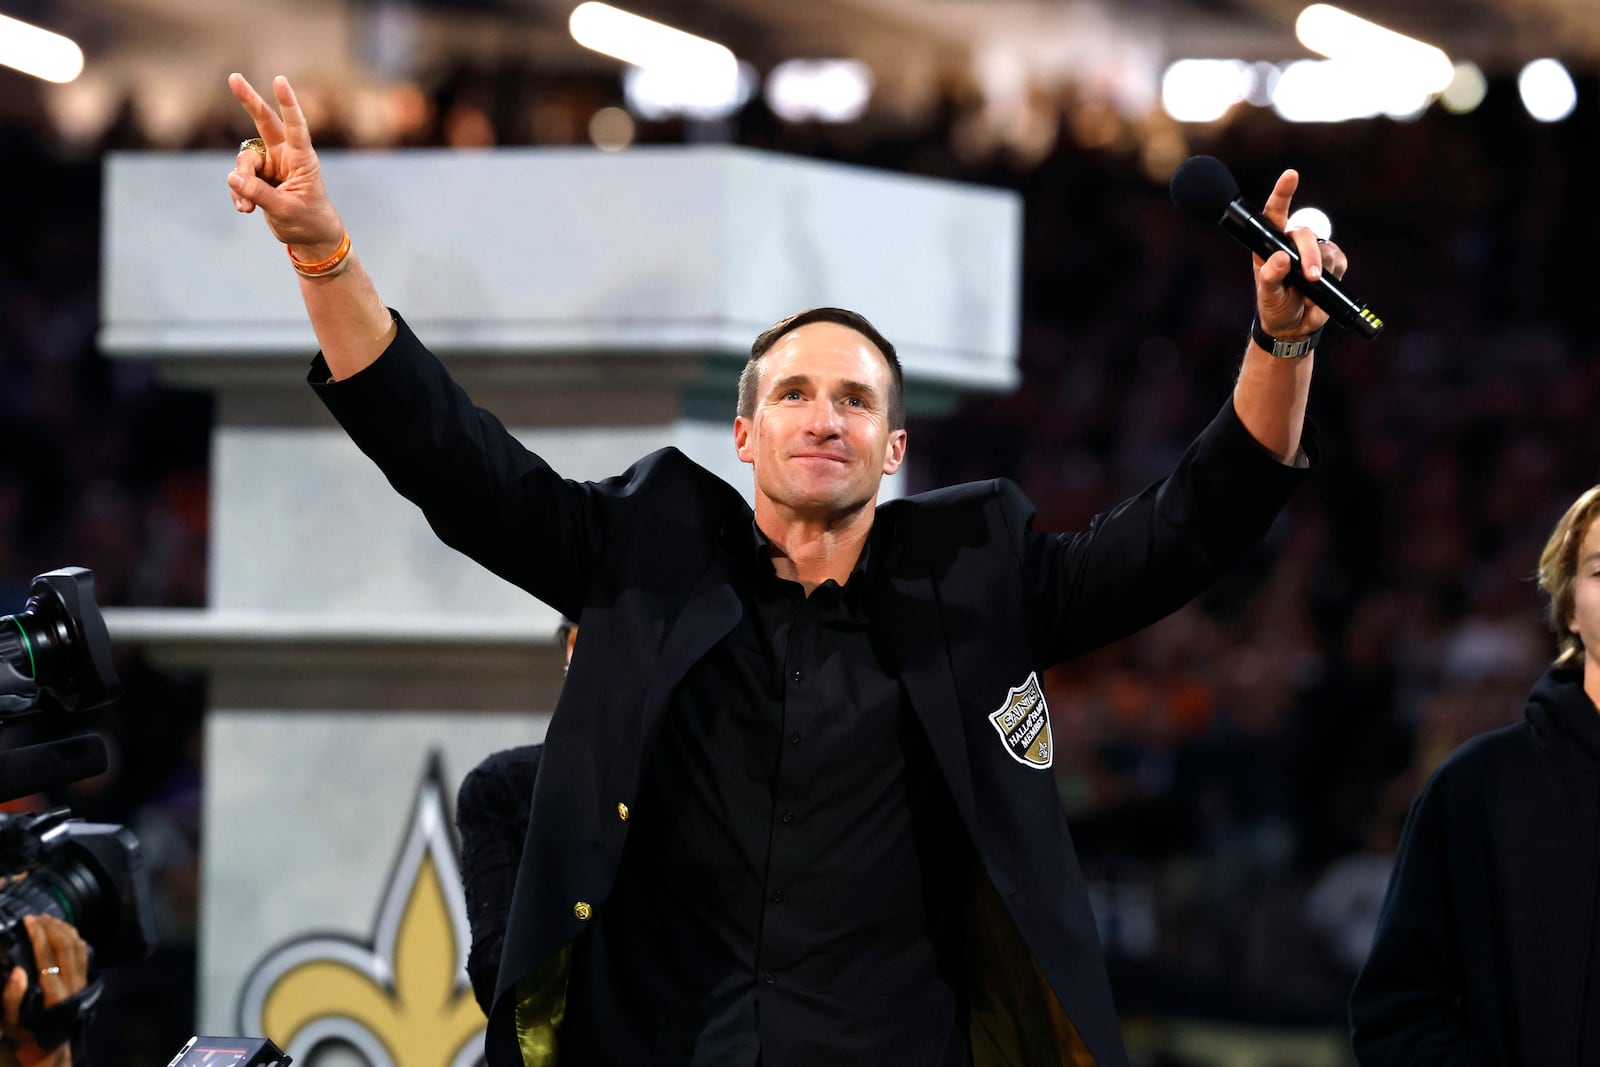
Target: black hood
(1559,708)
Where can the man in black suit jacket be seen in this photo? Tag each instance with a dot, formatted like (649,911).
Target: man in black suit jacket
(795,804)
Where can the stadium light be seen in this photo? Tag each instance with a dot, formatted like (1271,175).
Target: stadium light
(1339,35)
(38,52)
(644,42)
(1547,90)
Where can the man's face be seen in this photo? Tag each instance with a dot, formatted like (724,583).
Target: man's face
(1585,621)
(819,440)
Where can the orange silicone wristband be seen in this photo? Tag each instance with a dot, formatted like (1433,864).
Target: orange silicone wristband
(327,266)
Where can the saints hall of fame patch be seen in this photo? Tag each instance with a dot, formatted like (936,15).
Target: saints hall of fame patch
(1023,723)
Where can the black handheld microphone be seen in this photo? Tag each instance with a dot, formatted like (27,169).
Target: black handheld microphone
(25,771)
(1204,188)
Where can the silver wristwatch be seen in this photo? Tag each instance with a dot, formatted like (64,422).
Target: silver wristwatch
(1295,349)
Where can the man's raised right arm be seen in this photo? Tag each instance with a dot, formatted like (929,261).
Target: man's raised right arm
(284,180)
(480,489)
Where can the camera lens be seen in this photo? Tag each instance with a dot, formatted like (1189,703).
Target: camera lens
(55,652)
(15,648)
(94,878)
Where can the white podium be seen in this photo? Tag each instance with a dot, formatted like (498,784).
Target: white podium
(601,305)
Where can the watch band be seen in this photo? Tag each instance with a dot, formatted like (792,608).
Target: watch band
(1298,348)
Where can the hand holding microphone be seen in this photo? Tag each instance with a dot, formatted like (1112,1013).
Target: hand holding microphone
(1203,188)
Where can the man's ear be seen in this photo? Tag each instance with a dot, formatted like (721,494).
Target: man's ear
(741,439)
(895,454)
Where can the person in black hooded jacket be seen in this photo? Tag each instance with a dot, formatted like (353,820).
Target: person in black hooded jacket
(1485,952)
(492,809)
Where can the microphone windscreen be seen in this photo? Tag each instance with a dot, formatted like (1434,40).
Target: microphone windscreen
(25,771)
(1203,187)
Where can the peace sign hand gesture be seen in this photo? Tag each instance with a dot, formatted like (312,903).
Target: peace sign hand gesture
(282,175)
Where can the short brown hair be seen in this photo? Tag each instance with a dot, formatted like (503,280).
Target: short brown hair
(1558,574)
(750,377)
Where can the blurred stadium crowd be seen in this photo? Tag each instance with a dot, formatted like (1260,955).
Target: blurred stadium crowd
(1237,775)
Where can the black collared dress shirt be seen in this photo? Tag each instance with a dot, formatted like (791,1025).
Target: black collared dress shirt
(790,890)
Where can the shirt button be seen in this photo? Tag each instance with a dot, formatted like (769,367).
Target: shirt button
(771,978)
(777,896)
(787,816)
(797,676)
(794,738)
(581,910)
(622,812)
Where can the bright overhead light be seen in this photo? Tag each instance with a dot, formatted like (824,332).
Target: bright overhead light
(706,94)
(644,42)
(1309,90)
(1547,90)
(1466,90)
(1332,90)
(38,52)
(1337,34)
(1263,79)
(1202,90)
(819,90)
(1314,219)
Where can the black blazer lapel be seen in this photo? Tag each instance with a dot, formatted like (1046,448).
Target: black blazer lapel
(712,610)
(908,614)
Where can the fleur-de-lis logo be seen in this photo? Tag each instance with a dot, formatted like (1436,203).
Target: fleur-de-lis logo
(402,999)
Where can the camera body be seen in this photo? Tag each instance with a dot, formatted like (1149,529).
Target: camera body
(55,657)
(91,875)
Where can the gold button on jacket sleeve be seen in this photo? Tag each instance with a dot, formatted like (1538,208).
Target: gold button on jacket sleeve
(582,910)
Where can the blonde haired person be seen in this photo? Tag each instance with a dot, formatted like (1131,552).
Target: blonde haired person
(1486,950)
(1560,564)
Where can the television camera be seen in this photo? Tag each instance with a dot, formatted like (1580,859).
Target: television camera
(55,656)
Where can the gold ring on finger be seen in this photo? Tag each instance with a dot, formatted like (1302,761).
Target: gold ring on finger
(256,145)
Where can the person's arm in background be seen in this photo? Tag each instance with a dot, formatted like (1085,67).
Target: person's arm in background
(492,815)
(62,960)
(1270,395)
(352,325)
